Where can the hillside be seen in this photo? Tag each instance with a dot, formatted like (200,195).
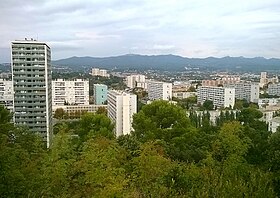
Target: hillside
(170,62)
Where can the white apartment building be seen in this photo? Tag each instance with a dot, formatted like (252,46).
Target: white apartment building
(273,124)
(249,91)
(220,96)
(121,107)
(79,108)
(99,72)
(264,102)
(224,80)
(274,89)
(159,90)
(133,81)
(183,94)
(70,92)
(6,94)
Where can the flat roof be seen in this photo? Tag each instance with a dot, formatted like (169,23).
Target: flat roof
(30,42)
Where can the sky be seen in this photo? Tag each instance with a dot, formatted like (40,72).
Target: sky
(100,28)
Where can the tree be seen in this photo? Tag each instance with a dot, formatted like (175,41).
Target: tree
(150,123)
(99,170)
(150,169)
(92,125)
(249,115)
(101,110)
(191,89)
(208,105)
(60,113)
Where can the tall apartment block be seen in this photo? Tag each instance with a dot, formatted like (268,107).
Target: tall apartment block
(159,90)
(121,107)
(100,92)
(220,96)
(99,72)
(31,75)
(7,94)
(71,92)
(249,91)
(133,81)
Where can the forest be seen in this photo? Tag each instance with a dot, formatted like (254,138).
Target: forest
(167,155)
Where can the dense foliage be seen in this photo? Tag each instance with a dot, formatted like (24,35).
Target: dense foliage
(167,155)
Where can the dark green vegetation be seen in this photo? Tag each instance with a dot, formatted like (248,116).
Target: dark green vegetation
(170,63)
(167,155)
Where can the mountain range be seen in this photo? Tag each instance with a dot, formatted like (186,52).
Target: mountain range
(169,62)
(165,62)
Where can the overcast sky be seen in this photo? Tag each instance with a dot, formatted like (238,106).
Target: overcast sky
(190,28)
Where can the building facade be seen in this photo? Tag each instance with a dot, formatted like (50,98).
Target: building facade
(7,94)
(31,76)
(274,124)
(221,81)
(183,94)
(100,92)
(79,108)
(121,107)
(70,92)
(249,91)
(159,90)
(133,81)
(264,102)
(274,89)
(99,72)
(220,96)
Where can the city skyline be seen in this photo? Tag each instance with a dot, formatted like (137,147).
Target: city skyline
(186,28)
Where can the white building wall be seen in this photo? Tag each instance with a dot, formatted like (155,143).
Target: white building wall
(99,72)
(274,124)
(121,107)
(246,90)
(70,91)
(183,95)
(6,93)
(221,97)
(133,81)
(229,99)
(263,102)
(159,90)
(274,89)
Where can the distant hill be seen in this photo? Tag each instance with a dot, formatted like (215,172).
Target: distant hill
(5,67)
(170,62)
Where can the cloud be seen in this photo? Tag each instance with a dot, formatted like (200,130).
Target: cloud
(112,27)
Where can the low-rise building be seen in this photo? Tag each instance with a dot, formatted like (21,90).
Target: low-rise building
(99,72)
(183,94)
(221,81)
(6,94)
(274,123)
(71,109)
(264,102)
